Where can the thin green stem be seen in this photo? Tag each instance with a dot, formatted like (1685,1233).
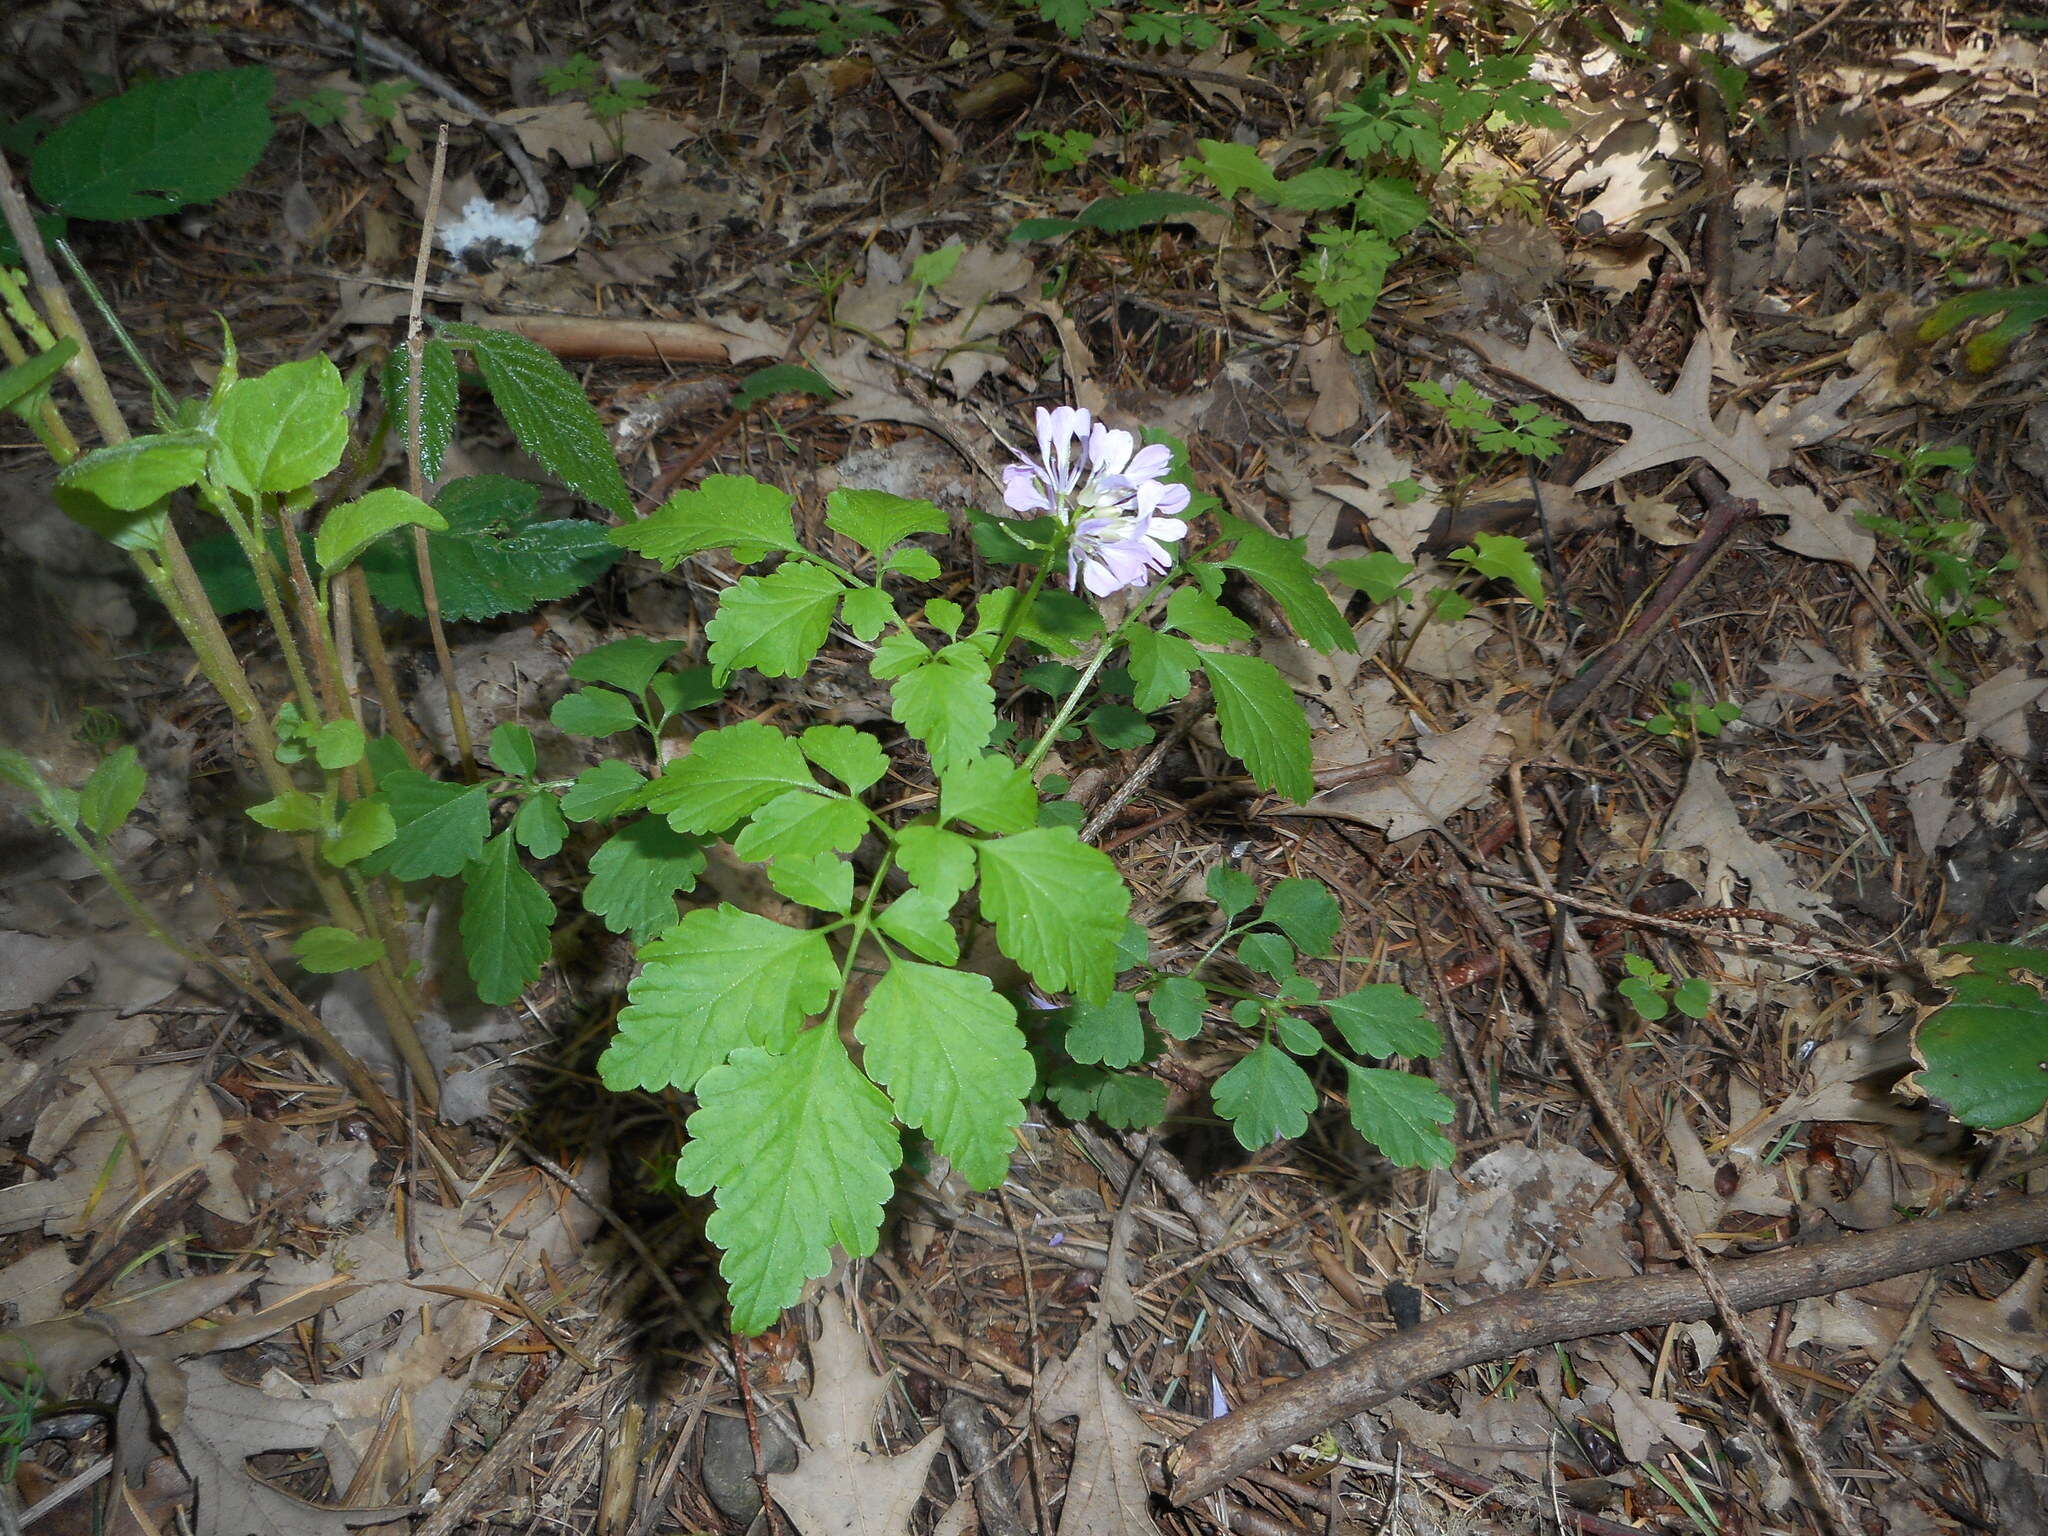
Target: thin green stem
(1013,621)
(859,923)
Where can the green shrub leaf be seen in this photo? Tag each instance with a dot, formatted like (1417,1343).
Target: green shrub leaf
(1177,1005)
(594,712)
(439,392)
(546,409)
(506,917)
(110,796)
(157,148)
(878,521)
(775,623)
(802,824)
(1264,1097)
(283,430)
(921,923)
(352,527)
(323,951)
(441,827)
(991,793)
(1058,907)
(603,791)
(729,773)
(628,664)
(635,875)
(732,512)
(823,881)
(947,1048)
(1306,912)
(1381,1019)
(938,863)
(798,1151)
(948,705)
(849,754)
(1401,1114)
(1262,724)
(1282,571)
(494,558)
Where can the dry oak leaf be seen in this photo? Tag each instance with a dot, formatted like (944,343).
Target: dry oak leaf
(1679,425)
(842,1487)
(1455,772)
(1705,818)
(1107,1494)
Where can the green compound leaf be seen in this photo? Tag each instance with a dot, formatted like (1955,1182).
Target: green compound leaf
(920,922)
(439,393)
(1122,1101)
(1391,205)
(824,881)
(1058,908)
(282,431)
(324,951)
(155,149)
(511,748)
(495,556)
(1268,954)
(1282,572)
(798,1151)
(877,521)
(545,408)
(1127,211)
(628,664)
(1203,618)
(1306,912)
(1982,1052)
(1263,726)
(539,826)
(1402,1115)
(868,611)
(354,526)
(441,827)
(505,921)
(594,712)
(948,705)
(899,652)
(1177,1005)
(730,773)
(992,793)
(1109,1033)
(1264,1097)
(1162,667)
(849,754)
(939,863)
(802,824)
(775,623)
(718,980)
(603,791)
(1502,556)
(947,1048)
(734,512)
(1381,1019)
(366,826)
(110,796)
(635,875)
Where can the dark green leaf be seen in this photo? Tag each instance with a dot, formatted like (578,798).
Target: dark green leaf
(165,144)
(628,664)
(547,411)
(635,875)
(1262,723)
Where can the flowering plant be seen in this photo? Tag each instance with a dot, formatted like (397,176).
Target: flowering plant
(818,1025)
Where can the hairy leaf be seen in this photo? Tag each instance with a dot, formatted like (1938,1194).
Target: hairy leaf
(546,409)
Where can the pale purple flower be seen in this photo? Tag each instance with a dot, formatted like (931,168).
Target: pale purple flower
(1108,553)
(1119,513)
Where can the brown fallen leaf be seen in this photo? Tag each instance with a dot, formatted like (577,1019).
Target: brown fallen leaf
(1107,1494)
(844,1486)
(1706,818)
(1680,424)
(1454,773)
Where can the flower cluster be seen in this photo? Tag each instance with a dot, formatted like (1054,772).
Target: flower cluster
(1118,513)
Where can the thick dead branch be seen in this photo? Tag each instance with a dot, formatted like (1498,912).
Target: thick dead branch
(1506,1325)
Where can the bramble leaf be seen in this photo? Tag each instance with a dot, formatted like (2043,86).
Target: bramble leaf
(628,663)
(283,430)
(1058,907)
(494,558)
(1262,723)
(548,412)
(441,827)
(1381,1019)
(439,395)
(798,1151)
(352,527)
(775,623)
(730,773)
(1401,1113)
(506,917)
(187,138)
(735,512)
(946,1047)
(718,980)
(1264,1097)
(635,875)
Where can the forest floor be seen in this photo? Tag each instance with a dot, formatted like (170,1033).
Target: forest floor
(1677,953)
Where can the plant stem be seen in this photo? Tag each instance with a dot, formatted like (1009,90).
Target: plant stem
(1013,621)
(1072,701)
(371,639)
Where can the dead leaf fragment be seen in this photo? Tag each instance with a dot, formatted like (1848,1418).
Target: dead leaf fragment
(1454,773)
(1106,1490)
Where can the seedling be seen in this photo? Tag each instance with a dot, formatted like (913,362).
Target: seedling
(1653,994)
(1951,595)
(1691,715)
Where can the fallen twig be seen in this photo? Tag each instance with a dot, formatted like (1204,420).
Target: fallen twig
(1504,1326)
